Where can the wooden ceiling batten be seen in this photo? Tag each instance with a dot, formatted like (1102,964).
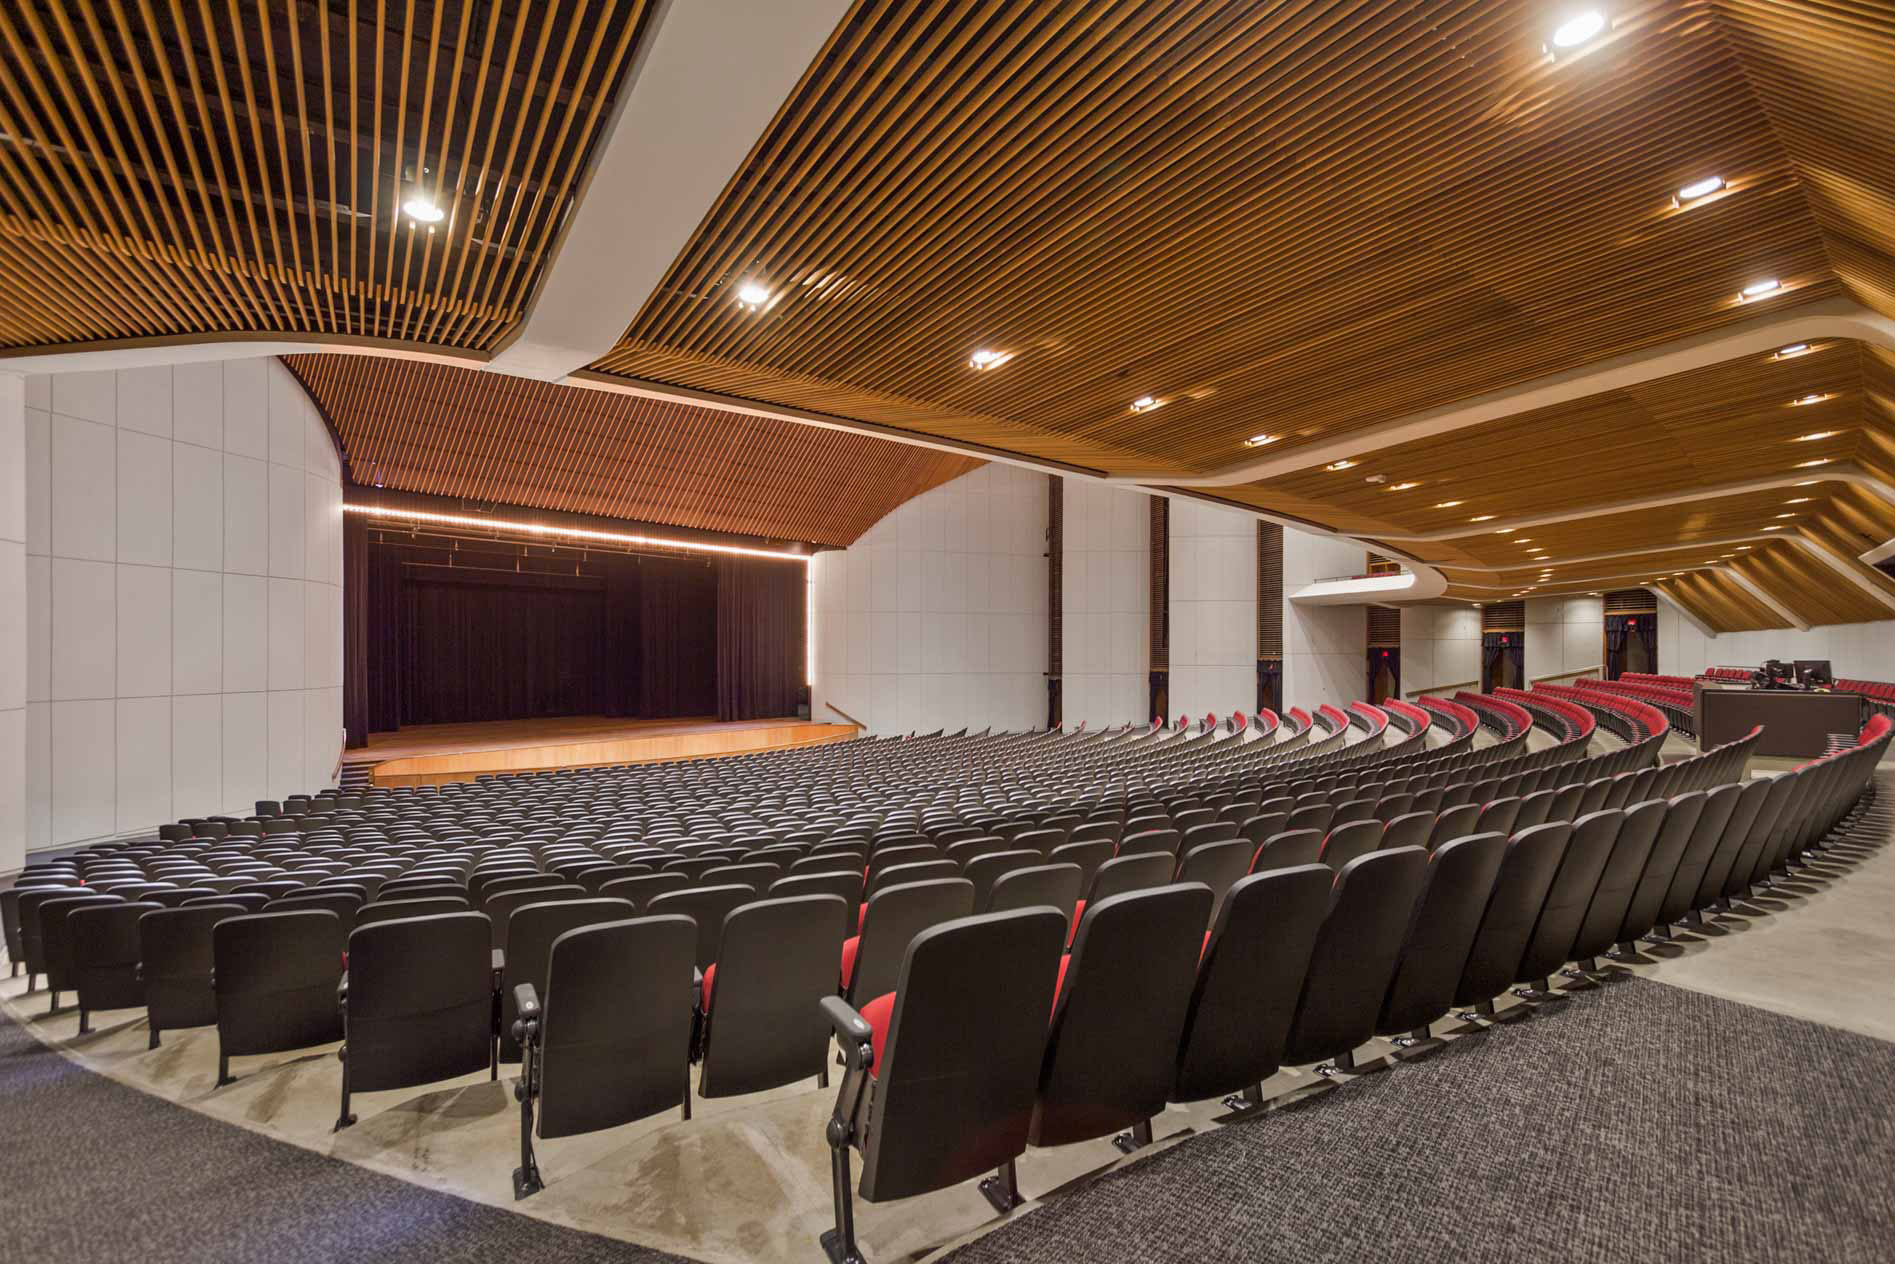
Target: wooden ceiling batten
(175,170)
(449,431)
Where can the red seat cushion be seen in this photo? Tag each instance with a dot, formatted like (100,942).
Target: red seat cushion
(849,947)
(710,981)
(878,1014)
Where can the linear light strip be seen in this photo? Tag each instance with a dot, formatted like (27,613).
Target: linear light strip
(576,533)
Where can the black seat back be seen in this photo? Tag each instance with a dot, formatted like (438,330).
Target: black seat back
(389,910)
(1716,815)
(893,919)
(707,907)
(1345,842)
(1619,881)
(421,1001)
(1137,872)
(276,976)
(1089,855)
(1682,815)
(1111,1053)
(1149,841)
(174,947)
(615,1031)
(1580,869)
(1218,865)
(959,1061)
(984,871)
(642,890)
(1047,886)
(763,1027)
(1287,850)
(1410,829)
(1454,822)
(1248,981)
(343,904)
(1460,882)
(499,905)
(1355,954)
(1526,874)
(60,963)
(530,936)
(846,886)
(106,955)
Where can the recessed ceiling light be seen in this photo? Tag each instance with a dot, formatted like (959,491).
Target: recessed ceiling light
(1804,401)
(1700,189)
(1525,539)
(987,358)
(1786,515)
(1815,435)
(1505,530)
(751,296)
(1145,403)
(422,209)
(1537,549)
(1809,482)
(1578,28)
(1794,349)
(1800,500)
(1773,527)
(1257,441)
(1340,465)
(1403,487)
(1759,289)
(1804,465)
(1482,518)
(1743,548)
(1449,504)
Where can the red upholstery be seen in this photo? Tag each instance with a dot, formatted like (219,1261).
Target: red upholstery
(1079,911)
(1059,985)
(849,947)
(861,916)
(710,981)
(1877,727)
(878,1014)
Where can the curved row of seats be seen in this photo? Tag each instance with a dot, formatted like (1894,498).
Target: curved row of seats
(1301,965)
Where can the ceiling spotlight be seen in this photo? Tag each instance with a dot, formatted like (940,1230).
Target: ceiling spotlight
(1804,401)
(1794,349)
(1340,465)
(1145,403)
(423,210)
(1773,528)
(1786,515)
(1505,530)
(1257,441)
(1800,500)
(1403,487)
(1482,518)
(751,296)
(1525,539)
(1758,289)
(1804,465)
(1449,504)
(1579,28)
(1702,189)
(1815,435)
(985,359)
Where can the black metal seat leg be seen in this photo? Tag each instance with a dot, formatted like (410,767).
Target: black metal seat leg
(1135,1140)
(1002,1189)
(344,1119)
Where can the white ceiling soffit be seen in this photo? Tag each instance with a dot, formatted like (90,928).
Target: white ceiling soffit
(709,77)
(1422,584)
(1831,318)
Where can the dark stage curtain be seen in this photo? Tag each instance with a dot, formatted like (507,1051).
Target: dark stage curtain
(677,620)
(355,633)
(1631,644)
(486,646)
(760,626)
(1270,685)
(385,632)
(1385,674)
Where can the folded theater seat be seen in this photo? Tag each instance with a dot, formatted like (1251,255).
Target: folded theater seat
(946,1074)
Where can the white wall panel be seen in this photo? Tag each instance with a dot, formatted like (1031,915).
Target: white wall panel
(1105,602)
(1440,647)
(13,639)
(936,616)
(1325,648)
(182,596)
(1564,635)
(1213,611)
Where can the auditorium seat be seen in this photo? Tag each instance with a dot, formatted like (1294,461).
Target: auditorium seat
(56,939)
(609,1041)
(761,1023)
(1053,886)
(947,1072)
(1459,882)
(1287,850)
(1620,880)
(417,1003)
(1355,955)
(846,885)
(1247,983)
(1550,945)
(1150,841)
(1532,858)
(1345,842)
(174,947)
(871,961)
(531,931)
(499,905)
(275,977)
(105,957)
(707,907)
(1454,822)
(642,890)
(345,905)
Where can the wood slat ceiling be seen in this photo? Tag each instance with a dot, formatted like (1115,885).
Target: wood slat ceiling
(484,436)
(197,169)
(1292,218)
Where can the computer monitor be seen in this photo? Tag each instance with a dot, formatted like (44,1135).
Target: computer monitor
(1813,672)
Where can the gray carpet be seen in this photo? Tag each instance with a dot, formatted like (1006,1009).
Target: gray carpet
(1641,1122)
(93,1170)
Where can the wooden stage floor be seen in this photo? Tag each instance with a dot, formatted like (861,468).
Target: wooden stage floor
(434,753)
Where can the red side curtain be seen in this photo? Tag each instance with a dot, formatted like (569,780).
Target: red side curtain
(760,627)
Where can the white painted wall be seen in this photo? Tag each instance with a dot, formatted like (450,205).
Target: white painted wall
(1859,651)
(12,622)
(1325,648)
(1105,593)
(1440,646)
(184,596)
(1684,646)
(1566,634)
(936,616)
(1213,609)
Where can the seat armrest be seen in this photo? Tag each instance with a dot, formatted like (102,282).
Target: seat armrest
(342,989)
(499,960)
(858,1039)
(526,1001)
